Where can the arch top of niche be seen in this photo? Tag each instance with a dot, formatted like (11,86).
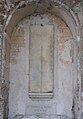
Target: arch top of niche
(23,10)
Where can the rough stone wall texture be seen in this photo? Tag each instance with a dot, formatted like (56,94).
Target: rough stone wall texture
(5,85)
(79,11)
(1,73)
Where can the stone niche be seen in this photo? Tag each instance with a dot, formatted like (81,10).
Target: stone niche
(41,68)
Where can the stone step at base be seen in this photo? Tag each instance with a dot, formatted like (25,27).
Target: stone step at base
(37,117)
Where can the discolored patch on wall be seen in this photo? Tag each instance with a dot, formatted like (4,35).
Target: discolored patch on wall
(64,35)
(17,42)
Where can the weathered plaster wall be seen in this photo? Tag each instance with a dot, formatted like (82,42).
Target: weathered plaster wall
(19,102)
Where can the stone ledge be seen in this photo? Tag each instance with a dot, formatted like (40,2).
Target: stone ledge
(37,117)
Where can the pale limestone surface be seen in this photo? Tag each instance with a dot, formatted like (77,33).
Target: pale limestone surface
(41,58)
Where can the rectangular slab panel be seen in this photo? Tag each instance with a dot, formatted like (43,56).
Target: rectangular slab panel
(41,59)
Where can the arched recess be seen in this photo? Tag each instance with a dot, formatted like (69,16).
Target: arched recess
(57,8)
